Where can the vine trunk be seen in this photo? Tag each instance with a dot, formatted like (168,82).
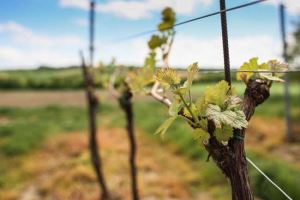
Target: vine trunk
(92,103)
(231,158)
(126,105)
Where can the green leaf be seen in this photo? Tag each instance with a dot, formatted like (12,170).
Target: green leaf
(278,66)
(182,90)
(175,107)
(251,65)
(164,26)
(224,133)
(155,42)
(164,126)
(168,14)
(235,119)
(201,105)
(213,113)
(150,60)
(217,94)
(193,109)
(270,77)
(233,102)
(201,134)
(167,77)
(240,121)
(139,79)
(192,71)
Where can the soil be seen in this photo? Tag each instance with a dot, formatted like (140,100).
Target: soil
(61,170)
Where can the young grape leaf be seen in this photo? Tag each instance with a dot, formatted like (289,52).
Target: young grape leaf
(164,26)
(201,134)
(168,19)
(251,65)
(175,107)
(167,77)
(150,60)
(156,41)
(235,119)
(192,71)
(233,102)
(224,133)
(217,94)
(164,126)
(270,77)
(201,105)
(277,66)
(194,110)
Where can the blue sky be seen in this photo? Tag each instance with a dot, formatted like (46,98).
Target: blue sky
(50,32)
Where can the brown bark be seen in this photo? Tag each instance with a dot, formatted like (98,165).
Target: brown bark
(126,104)
(231,158)
(94,147)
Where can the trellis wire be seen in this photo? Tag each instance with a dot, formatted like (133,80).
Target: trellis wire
(253,71)
(188,21)
(274,184)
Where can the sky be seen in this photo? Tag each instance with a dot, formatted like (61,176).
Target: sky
(51,32)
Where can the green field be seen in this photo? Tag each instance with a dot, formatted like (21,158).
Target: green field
(71,78)
(30,127)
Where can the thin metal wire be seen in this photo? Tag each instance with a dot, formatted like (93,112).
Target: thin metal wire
(274,184)
(186,21)
(254,71)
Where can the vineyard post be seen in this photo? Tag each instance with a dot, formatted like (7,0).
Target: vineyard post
(92,31)
(94,147)
(289,136)
(124,98)
(126,105)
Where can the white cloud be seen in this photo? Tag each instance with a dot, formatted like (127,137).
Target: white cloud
(82,4)
(207,52)
(16,58)
(138,9)
(24,47)
(24,35)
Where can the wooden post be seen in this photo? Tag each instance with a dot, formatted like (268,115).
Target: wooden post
(126,105)
(92,32)
(92,102)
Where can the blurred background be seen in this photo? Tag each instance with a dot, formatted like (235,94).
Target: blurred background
(43,116)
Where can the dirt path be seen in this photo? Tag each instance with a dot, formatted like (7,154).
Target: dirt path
(38,98)
(61,170)
(28,98)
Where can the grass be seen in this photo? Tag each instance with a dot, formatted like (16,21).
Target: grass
(27,129)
